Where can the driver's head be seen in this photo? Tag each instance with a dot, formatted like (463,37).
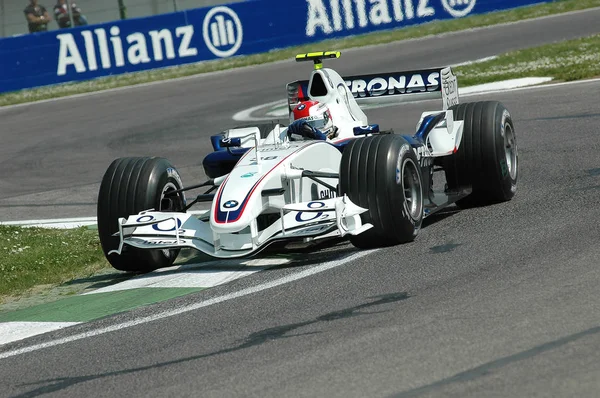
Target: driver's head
(314,113)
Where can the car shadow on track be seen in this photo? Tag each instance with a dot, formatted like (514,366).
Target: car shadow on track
(299,255)
(440,215)
(99,280)
(371,306)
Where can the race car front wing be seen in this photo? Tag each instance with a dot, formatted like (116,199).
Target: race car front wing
(308,220)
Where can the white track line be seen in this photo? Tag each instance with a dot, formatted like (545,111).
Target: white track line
(65,223)
(14,331)
(192,307)
(204,275)
(541,86)
(477,61)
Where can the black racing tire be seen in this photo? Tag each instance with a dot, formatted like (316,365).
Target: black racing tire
(487,158)
(131,185)
(382,174)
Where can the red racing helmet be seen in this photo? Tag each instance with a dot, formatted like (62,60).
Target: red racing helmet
(315,114)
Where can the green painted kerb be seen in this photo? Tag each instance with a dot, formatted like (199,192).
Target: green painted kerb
(87,307)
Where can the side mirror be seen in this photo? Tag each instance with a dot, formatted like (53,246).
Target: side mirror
(230,142)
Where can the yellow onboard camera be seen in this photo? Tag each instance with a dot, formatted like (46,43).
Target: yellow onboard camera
(317,57)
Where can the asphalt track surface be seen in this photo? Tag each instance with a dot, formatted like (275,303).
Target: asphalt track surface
(53,155)
(492,301)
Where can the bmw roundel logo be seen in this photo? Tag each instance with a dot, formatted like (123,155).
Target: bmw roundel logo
(230,204)
(301,107)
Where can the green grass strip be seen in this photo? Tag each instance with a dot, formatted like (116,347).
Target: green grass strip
(431,28)
(39,256)
(84,308)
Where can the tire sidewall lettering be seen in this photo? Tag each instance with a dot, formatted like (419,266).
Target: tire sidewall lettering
(405,209)
(403,158)
(172,173)
(506,119)
(400,163)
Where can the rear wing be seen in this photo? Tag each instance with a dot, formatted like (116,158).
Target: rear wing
(381,88)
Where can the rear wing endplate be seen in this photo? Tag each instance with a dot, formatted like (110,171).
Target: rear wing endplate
(397,87)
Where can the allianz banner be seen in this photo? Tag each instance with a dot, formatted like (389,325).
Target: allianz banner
(249,27)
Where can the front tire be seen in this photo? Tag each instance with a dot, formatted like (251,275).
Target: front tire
(487,158)
(382,174)
(129,186)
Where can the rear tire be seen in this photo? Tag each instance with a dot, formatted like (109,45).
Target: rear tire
(382,174)
(487,158)
(129,186)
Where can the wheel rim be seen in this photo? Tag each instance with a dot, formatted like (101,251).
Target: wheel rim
(510,150)
(169,203)
(411,184)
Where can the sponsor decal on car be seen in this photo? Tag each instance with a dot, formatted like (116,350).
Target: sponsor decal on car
(170,227)
(312,216)
(165,225)
(147,218)
(263,158)
(311,230)
(303,216)
(230,204)
(391,84)
(164,242)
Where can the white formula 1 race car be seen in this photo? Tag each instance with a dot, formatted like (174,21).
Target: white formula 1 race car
(268,185)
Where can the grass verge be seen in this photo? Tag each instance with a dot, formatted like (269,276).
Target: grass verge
(39,257)
(565,61)
(432,28)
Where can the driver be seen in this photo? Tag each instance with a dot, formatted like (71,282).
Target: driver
(312,119)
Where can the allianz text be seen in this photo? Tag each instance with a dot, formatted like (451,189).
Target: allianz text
(135,48)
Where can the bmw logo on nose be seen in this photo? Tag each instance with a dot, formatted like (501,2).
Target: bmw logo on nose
(230,204)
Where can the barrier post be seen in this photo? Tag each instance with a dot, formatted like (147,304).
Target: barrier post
(122,9)
(70,10)
(3,21)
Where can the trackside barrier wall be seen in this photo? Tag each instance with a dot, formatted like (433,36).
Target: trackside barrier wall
(249,27)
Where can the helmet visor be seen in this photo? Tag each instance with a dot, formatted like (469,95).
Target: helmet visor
(319,124)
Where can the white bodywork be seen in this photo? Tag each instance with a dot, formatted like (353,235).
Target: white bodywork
(306,209)
(268,180)
(444,139)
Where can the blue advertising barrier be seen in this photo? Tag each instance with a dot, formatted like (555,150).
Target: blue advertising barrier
(249,27)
